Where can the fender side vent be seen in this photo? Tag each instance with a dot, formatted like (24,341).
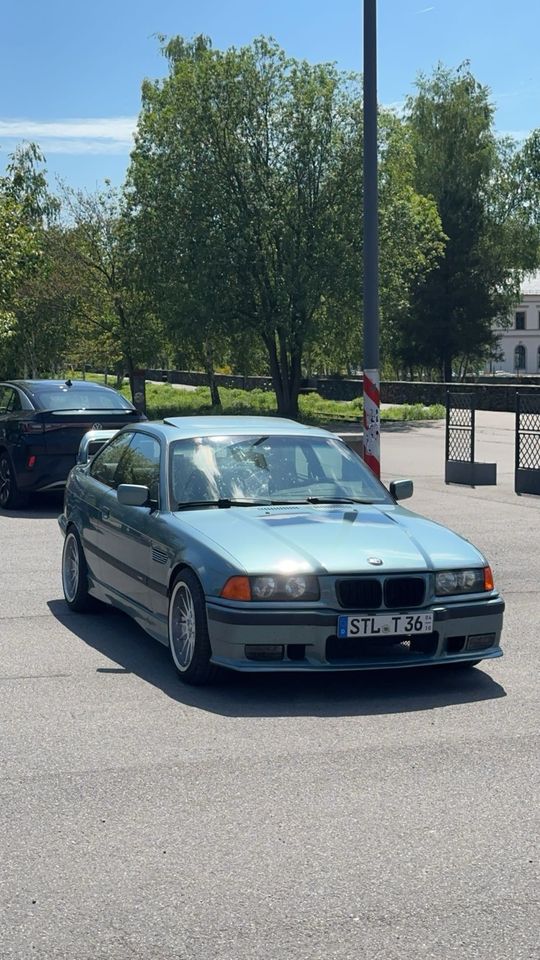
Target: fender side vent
(159,555)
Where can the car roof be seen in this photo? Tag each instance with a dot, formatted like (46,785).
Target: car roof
(186,427)
(36,386)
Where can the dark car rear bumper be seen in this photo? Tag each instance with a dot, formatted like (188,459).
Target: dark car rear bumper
(50,472)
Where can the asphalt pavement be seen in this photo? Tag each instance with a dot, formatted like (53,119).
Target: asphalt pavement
(384,816)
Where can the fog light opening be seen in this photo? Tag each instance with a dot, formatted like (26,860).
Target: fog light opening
(296,651)
(264,651)
(481,641)
(455,644)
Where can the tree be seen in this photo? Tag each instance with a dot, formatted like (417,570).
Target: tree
(462,165)
(245,183)
(27,211)
(114,310)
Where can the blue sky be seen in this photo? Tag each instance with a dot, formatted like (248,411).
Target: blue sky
(71,72)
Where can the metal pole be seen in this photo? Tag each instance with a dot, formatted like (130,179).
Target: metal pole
(372,396)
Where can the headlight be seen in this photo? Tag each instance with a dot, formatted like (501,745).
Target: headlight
(271,587)
(462,581)
(299,587)
(262,588)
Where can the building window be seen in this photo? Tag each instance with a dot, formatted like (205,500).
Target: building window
(538,359)
(520,320)
(520,358)
(539,319)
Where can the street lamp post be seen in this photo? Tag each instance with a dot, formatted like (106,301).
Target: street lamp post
(371,384)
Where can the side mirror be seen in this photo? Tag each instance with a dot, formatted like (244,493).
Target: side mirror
(132,495)
(401,489)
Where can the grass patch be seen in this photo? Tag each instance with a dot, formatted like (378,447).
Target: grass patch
(165,400)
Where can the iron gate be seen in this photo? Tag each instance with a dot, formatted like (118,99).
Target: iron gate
(460,465)
(527,472)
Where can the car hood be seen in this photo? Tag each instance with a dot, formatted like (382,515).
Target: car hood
(323,539)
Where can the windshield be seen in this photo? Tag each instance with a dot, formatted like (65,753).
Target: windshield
(276,468)
(69,398)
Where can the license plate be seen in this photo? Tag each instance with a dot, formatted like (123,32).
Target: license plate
(385,625)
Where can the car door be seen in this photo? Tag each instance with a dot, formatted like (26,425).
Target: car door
(97,488)
(129,529)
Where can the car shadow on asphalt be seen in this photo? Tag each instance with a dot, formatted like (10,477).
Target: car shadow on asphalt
(360,693)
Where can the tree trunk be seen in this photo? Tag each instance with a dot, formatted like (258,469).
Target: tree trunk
(275,372)
(130,369)
(285,372)
(215,397)
(447,370)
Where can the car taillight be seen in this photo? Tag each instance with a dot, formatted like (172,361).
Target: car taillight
(31,426)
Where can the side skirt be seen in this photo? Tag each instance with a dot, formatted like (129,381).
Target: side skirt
(152,623)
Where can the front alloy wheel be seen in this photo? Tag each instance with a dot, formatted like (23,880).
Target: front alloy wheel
(188,631)
(75,574)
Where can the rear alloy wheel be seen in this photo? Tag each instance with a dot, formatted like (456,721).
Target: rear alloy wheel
(75,574)
(10,495)
(189,642)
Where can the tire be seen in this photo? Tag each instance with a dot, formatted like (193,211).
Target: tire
(10,495)
(75,574)
(189,642)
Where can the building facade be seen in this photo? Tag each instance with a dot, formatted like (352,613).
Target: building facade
(520,343)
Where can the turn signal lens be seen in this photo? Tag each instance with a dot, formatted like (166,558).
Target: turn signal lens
(488,579)
(236,588)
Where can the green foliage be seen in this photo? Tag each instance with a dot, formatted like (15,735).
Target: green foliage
(115,322)
(461,164)
(246,187)
(165,400)
(27,215)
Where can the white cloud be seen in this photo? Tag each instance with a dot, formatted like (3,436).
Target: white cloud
(101,135)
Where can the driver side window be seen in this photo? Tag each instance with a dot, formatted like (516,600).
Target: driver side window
(140,465)
(105,463)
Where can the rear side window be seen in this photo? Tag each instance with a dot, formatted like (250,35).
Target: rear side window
(140,464)
(9,400)
(105,463)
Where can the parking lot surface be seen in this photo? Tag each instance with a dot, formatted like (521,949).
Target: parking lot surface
(377,815)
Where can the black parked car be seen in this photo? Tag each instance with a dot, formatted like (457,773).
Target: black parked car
(41,426)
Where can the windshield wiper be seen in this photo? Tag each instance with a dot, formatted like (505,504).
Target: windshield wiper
(339,500)
(222,503)
(298,503)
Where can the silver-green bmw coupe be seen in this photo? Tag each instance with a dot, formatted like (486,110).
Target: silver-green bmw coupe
(259,544)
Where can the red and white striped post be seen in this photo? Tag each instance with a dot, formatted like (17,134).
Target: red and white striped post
(371,442)
(372,396)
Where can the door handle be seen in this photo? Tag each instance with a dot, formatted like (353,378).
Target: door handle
(105,514)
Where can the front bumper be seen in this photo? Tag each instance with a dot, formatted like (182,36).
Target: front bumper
(309,641)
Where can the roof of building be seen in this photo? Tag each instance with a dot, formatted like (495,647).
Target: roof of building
(531,285)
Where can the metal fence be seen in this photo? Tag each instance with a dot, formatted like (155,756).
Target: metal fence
(527,471)
(460,465)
